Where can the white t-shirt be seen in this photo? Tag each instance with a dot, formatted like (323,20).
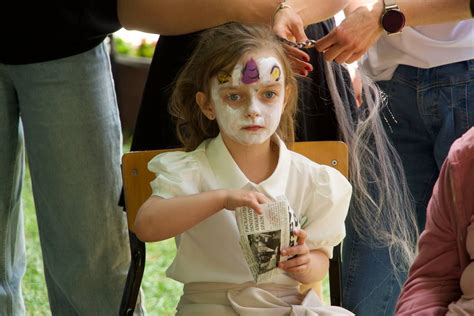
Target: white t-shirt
(210,251)
(424,46)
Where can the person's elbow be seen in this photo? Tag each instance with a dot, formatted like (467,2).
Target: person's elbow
(124,12)
(145,224)
(142,229)
(131,15)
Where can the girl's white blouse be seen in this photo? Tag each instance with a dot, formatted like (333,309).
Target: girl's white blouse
(210,251)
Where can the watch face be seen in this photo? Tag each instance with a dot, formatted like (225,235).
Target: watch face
(393,21)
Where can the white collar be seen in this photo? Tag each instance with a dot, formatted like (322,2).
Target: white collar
(231,177)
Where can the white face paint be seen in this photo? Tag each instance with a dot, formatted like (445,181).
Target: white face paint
(248,106)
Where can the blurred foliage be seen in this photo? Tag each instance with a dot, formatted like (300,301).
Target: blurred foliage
(145,49)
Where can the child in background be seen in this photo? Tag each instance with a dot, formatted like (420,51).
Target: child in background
(234,103)
(441,280)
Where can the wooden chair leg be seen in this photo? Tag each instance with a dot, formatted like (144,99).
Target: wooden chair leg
(335,278)
(134,277)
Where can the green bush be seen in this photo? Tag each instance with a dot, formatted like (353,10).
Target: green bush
(145,49)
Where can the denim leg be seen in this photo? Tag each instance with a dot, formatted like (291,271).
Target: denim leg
(427,110)
(452,93)
(12,239)
(370,286)
(73,141)
(405,127)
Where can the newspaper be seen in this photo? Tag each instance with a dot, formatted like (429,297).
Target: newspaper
(262,237)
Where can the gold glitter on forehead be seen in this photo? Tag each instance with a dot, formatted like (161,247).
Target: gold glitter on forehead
(223,77)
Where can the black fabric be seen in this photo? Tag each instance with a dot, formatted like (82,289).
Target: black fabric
(315,118)
(37,31)
(154,128)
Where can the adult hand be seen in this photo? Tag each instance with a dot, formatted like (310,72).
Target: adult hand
(252,199)
(289,25)
(354,36)
(300,265)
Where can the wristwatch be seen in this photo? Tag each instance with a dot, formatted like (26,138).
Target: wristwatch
(393,20)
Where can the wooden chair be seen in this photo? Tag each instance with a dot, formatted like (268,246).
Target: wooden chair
(136,183)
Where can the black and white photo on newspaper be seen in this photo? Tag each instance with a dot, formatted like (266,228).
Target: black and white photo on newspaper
(262,237)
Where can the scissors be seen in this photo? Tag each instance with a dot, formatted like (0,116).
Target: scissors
(300,45)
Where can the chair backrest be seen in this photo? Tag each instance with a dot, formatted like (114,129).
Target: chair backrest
(136,180)
(136,184)
(137,177)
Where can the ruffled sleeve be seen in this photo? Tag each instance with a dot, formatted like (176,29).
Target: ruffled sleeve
(177,174)
(327,210)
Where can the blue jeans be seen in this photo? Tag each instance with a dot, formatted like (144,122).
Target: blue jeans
(64,113)
(427,110)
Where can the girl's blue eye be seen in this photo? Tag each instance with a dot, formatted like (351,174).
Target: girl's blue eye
(269,94)
(233,97)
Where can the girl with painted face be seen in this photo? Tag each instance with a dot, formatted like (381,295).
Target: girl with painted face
(234,104)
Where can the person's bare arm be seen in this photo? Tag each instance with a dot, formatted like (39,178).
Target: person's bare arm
(434,11)
(312,11)
(159,219)
(186,16)
(361,28)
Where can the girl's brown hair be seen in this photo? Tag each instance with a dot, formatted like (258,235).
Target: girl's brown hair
(218,49)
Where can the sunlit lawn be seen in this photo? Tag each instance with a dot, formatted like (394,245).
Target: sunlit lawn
(161,294)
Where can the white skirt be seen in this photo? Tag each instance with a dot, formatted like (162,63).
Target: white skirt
(226,299)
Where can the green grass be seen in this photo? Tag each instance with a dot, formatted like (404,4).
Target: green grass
(161,293)
(33,285)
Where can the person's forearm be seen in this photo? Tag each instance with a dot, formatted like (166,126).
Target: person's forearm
(159,219)
(312,11)
(434,11)
(186,16)
(171,17)
(319,267)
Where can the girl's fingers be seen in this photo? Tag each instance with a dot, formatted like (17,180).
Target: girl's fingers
(255,203)
(256,207)
(294,263)
(262,198)
(295,251)
(301,234)
(298,269)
